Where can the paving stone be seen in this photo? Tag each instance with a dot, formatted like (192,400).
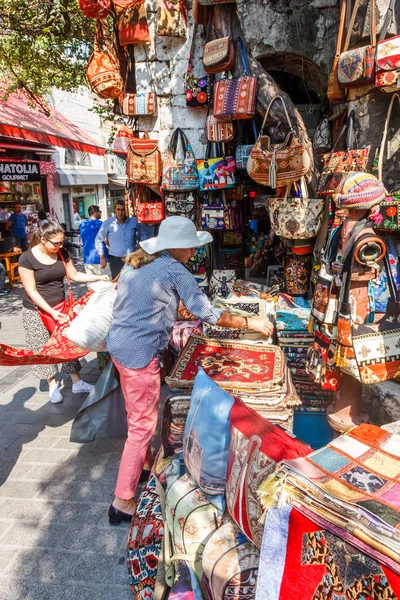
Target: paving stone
(42,565)
(38,442)
(44,456)
(18,489)
(109,540)
(100,569)
(19,510)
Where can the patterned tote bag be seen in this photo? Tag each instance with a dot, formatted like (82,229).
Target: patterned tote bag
(180,176)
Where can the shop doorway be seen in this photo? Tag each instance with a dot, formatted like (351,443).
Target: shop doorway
(66,210)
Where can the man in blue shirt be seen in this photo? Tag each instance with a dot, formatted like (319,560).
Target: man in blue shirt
(121,235)
(89,230)
(17,221)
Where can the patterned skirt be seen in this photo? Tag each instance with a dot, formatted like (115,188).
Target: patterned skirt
(36,336)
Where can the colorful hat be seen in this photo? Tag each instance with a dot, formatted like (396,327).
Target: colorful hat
(359,190)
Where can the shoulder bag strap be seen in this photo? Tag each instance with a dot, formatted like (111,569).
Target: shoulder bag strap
(278,96)
(192,46)
(70,294)
(385,134)
(253,123)
(390,14)
(351,25)
(342,24)
(243,55)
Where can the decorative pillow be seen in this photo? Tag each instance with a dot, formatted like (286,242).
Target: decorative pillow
(206,441)
(186,586)
(256,447)
(144,542)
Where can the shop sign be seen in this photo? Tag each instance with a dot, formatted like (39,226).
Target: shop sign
(19,171)
(77,190)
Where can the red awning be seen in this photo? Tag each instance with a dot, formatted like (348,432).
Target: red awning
(19,121)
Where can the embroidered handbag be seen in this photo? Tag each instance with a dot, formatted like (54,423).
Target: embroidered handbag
(335,91)
(297,273)
(219,55)
(212,216)
(235,98)
(198,262)
(356,68)
(218,131)
(180,204)
(179,176)
(296,218)
(102,71)
(321,360)
(222,282)
(95,9)
(243,151)
(387,217)
(216,173)
(131,21)
(147,211)
(172,18)
(324,306)
(143,163)
(276,165)
(197,89)
(136,105)
(388,56)
(122,141)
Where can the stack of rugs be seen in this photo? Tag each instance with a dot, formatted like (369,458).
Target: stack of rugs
(294,339)
(257,374)
(350,489)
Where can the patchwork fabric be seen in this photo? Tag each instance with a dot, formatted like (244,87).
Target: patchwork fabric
(174,417)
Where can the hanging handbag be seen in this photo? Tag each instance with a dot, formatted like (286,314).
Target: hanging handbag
(95,9)
(243,151)
(102,71)
(222,282)
(147,211)
(213,216)
(277,165)
(219,55)
(122,140)
(216,173)
(320,362)
(296,218)
(179,176)
(172,18)
(197,89)
(180,204)
(297,273)
(218,131)
(138,105)
(131,19)
(48,321)
(356,68)
(388,56)
(335,91)
(235,98)
(143,163)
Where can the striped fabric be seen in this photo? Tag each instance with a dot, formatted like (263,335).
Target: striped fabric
(360,190)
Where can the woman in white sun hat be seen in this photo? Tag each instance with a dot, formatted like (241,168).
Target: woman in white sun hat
(149,290)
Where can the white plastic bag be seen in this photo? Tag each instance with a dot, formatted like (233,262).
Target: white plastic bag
(89,329)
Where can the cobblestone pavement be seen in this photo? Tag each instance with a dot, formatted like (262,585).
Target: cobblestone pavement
(55,540)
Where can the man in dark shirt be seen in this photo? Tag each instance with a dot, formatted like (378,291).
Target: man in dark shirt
(17,222)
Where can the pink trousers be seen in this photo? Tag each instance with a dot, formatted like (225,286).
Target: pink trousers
(141,390)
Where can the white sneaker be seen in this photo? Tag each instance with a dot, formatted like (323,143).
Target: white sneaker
(81,387)
(55,396)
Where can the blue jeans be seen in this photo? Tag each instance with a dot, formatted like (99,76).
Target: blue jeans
(22,242)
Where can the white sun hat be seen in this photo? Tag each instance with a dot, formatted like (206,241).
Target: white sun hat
(176,232)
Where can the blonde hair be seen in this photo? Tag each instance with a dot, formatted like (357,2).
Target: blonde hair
(140,258)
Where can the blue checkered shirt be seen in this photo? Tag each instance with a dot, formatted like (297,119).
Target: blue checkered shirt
(146,306)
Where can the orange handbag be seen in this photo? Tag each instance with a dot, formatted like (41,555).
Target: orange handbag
(143,163)
(102,71)
(335,92)
(131,21)
(277,165)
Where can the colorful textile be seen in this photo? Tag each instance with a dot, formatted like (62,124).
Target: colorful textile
(144,542)
(353,484)
(181,333)
(59,348)
(186,586)
(231,364)
(174,417)
(230,564)
(302,560)
(256,447)
(359,190)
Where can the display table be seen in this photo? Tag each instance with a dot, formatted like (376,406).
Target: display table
(10,260)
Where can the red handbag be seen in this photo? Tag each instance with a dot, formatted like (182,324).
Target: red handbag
(48,321)
(95,9)
(131,22)
(148,212)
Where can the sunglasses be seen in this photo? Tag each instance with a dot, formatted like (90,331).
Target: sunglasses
(59,244)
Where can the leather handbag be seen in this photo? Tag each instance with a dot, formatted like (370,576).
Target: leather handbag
(131,19)
(356,68)
(179,176)
(216,173)
(143,163)
(324,308)
(138,105)
(218,131)
(335,91)
(296,217)
(95,9)
(277,165)
(197,88)
(243,151)
(147,211)
(48,321)
(102,71)
(172,18)
(222,282)
(388,56)
(235,98)
(122,140)
(219,55)
(180,204)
